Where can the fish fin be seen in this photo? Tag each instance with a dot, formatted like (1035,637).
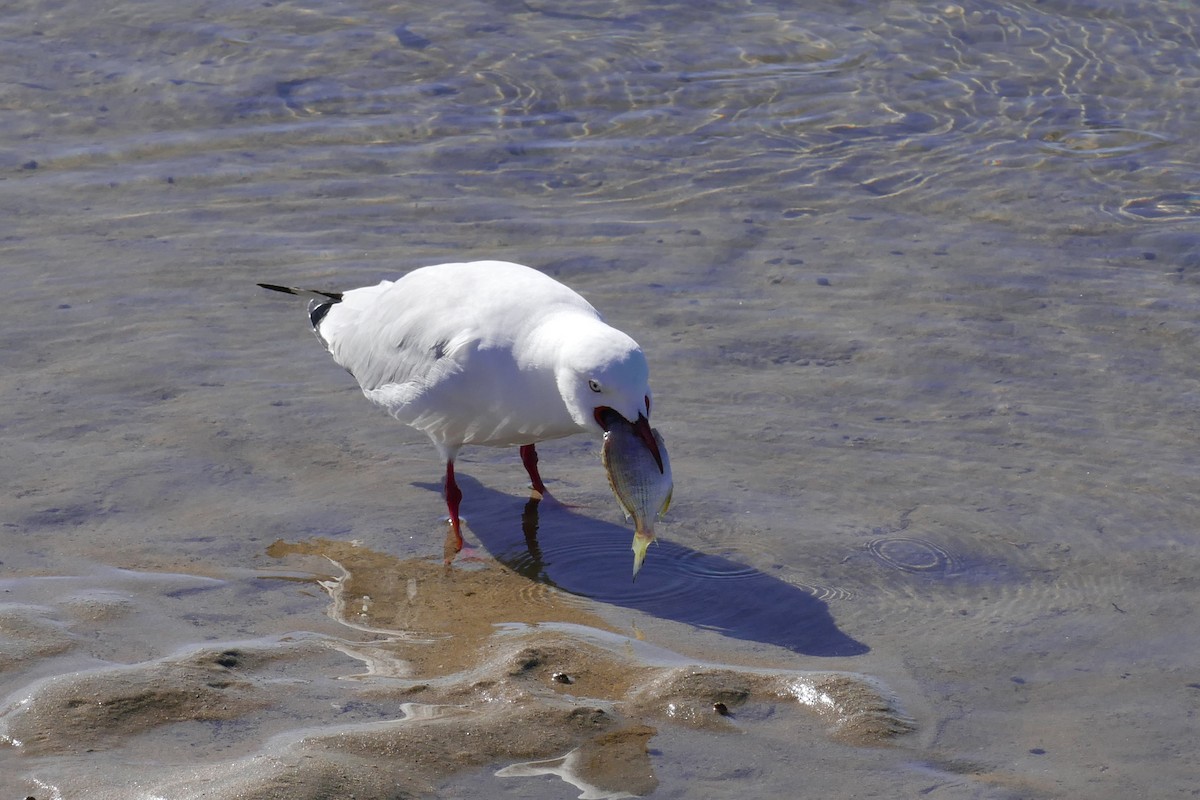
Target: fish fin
(666,503)
(624,508)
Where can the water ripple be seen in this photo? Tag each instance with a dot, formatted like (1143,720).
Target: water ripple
(1164,207)
(1101,142)
(911,554)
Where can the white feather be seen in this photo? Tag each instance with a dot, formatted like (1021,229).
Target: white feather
(488,353)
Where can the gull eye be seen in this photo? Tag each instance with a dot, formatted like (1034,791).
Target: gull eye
(594,385)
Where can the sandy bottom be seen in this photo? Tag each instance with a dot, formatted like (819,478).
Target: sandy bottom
(427,672)
(919,287)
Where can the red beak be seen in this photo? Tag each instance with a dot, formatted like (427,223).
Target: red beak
(606,417)
(642,429)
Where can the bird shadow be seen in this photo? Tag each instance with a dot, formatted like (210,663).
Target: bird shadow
(552,544)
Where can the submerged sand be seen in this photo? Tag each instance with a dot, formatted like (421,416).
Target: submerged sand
(463,670)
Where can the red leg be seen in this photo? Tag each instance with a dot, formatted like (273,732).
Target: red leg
(529,458)
(453,498)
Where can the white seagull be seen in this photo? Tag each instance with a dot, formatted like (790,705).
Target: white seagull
(489,353)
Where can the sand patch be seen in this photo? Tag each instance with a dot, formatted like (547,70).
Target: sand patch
(439,670)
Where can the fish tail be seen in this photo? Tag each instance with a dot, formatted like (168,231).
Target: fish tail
(640,542)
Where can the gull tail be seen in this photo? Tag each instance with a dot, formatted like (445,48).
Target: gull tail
(320,303)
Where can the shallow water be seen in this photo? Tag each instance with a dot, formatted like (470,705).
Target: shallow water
(918,284)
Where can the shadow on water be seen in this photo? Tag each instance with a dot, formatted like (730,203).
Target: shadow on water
(551,544)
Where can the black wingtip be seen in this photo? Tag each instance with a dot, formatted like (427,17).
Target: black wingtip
(317,311)
(318,307)
(334,296)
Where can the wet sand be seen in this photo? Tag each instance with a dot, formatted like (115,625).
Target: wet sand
(460,668)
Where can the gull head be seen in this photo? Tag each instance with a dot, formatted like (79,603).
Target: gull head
(603,378)
(617,392)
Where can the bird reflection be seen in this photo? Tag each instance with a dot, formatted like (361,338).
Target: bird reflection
(590,557)
(529,526)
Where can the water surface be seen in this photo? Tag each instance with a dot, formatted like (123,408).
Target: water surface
(918,283)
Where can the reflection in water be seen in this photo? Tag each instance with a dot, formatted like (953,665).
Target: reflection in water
(590,557)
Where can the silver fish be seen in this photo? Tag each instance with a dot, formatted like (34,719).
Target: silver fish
(642,489)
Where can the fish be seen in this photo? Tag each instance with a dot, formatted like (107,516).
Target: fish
(641,487)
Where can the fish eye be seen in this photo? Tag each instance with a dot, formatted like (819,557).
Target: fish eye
(594,385)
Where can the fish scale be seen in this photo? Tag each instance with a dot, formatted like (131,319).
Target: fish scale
(642,489)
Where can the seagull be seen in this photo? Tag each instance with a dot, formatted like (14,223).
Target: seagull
(485,353)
